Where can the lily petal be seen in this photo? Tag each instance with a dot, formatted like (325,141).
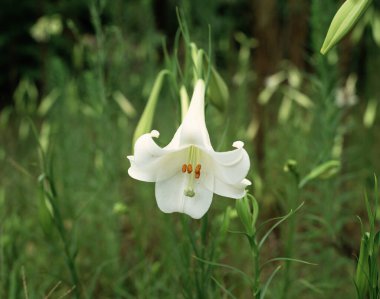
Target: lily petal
(229,167)
(193,130)
(152,163)
(233,191)
(146,149)
(170,197)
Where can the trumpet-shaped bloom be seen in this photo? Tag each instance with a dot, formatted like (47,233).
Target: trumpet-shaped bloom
(188,171)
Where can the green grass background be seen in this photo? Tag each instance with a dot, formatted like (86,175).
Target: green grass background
(121,244)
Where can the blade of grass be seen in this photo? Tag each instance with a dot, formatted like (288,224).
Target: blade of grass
(226,267)
(286,259)
(277,224)
(227,292)
(265,288)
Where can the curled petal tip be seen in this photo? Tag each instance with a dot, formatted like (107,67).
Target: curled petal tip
(238,144)
(154,133)
(246,182)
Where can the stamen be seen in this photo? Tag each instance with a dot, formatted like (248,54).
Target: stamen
(198,171)
(192,159)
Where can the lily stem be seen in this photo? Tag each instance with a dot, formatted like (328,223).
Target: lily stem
(255,251)
(70,258)
(289,249)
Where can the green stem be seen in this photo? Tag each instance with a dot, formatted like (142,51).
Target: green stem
(289,249)
(70,260)
(204,267)
(51,193)
(100,40)
(256,265)
(288,253)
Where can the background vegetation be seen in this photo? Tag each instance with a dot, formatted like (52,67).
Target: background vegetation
(75,78)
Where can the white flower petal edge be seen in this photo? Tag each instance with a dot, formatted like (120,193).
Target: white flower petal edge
(152,163)
(171,198)
(188,171)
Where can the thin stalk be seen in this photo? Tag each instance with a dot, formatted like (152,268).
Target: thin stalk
(256,266)
(70,260)
(204,267)
(100,40)
(289,249)
(51,192)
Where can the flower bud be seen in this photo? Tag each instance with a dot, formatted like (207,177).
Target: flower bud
(272,83)
(376,28)
(146,120)
(290,166)
(120,208)
(124,104)
(299,97)
(184,101)
(46,27)
(343,21)
(197,57)
(217,90)
(247,214)
(285,109)
(370,113)
(48,102)
(323,171)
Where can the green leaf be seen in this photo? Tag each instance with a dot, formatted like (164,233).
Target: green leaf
(282,219)
(361,275)
(227,292)
(287,259)
(247,277)
(265,288)
(311,286)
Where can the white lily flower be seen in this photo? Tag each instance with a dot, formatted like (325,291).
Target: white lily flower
(188,171)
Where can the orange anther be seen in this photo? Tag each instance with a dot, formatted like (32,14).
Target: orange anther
(198,167)
(184,168)
(197,175)
(189,168)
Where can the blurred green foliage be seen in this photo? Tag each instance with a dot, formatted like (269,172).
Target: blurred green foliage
(83,88)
